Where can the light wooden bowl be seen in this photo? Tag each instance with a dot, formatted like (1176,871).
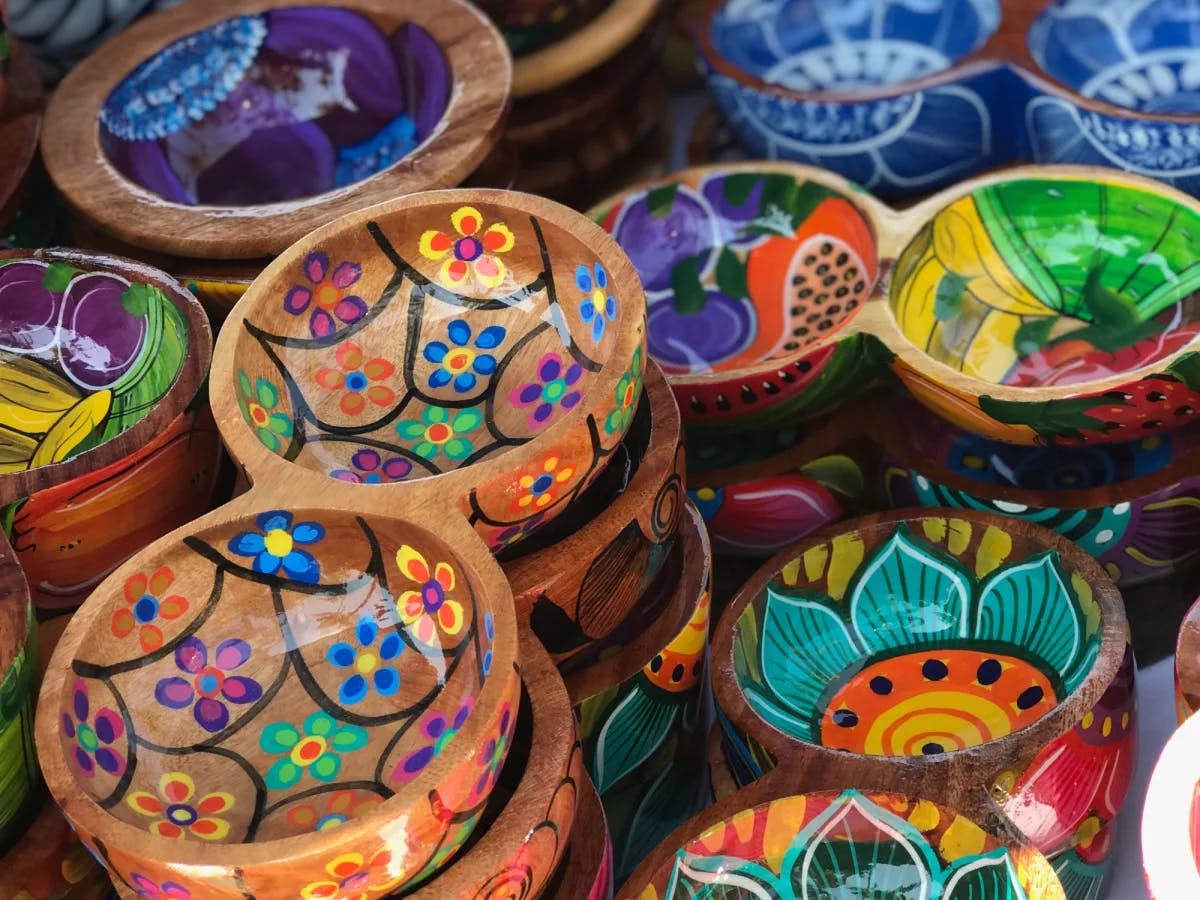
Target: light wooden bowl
(495,386)
(912,651)
(429,89)
(577,579)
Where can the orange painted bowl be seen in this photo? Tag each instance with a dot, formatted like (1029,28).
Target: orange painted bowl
(532,813)
(477,351)
(586,869)
(315,717)
(103,362)
(886,845)
(1187,664)
(187,132)
(916,649)
(578,578)
(766,305)
(1171,818)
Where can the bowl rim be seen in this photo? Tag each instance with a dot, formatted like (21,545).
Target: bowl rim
(894,230)
(470,124)
(965,770)
(767,790)
(188,384)
(555,761)
(1168,860)
(259,462)
(83,811)
(1187,659)
(581,872)
(1006,48)
(543,573)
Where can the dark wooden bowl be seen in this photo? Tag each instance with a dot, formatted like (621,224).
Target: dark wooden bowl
(20,126)
(880,617)
(500,395)
(423,102)
(585,872)
(578,578)
(769,842)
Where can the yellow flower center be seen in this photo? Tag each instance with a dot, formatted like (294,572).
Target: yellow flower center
(278,542)
(598,300)
(328,296)
(366,663)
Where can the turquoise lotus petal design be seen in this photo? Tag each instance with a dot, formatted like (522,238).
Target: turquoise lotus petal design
(1029,605)
(905,598)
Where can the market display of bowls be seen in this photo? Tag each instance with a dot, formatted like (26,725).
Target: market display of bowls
(395,98)
(906,97)
(1170,826)
(960,654)
(765,844)
(1135,506)
(766,305)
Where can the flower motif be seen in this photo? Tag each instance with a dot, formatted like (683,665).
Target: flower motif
(325,295)
(367,662)
(313,748)
(353,877)
(258,403)
(553,388)
(437,430)
(371,468)
(460,364)
(93,737)
(599,307)
(859,675)
(152,890)
(511,534)
(146,603)
(540,489)
(338,808)
(420,608)
(176,816)
(274,548)
(354,377)
(495,750)
(438,732)
(470,253)
(629,389)
(489,634)
(208,687)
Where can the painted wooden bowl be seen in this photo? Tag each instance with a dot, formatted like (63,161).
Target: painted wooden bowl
(334,744)
(1135,505)
(532,813)
(585,872)
(755,843)
(965,655)
(1170,829)
(397,97)
(481,348)
(1187,665)
(578,578)
(104,361)
(529,25)
(20,124)
(20,782)
(766,307)
(721,776)
(643,733)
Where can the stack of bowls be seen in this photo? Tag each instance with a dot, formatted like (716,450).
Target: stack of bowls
(404,97)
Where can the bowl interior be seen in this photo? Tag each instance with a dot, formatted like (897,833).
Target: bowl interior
(84,355)
(921,640)
(744,267)
(1140,56)
(1036,282)
(439,336)
(274,675)
(829,844)
(276,106)
(827,45)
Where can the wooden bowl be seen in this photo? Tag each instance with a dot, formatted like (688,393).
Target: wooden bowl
(529,25)
(1135,506)
(20,785)
(393,372)
(918,653)
(422,112)
(49,863)
(1187,665)
(760,331)
(577,579)
(585,872)
(1170,829)
(530,819)
(336,741)
(720,773)
(764,843)
(20,126)
(643,735)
